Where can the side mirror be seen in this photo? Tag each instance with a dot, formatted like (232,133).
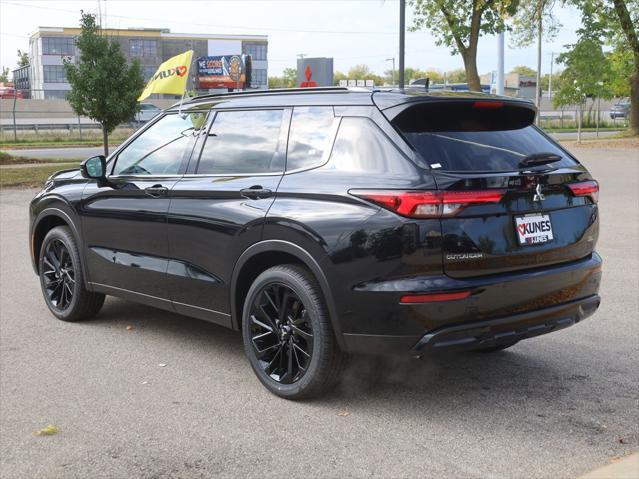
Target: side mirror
(94,168)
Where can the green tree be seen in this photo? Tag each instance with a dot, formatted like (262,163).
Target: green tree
(621,66)
(456,76)
(23,59)
(103,86)
(458,25)
(616,21)
(523,70)
(337,76)
(287,80)
(4,75)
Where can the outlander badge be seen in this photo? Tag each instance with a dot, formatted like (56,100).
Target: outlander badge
(539,196)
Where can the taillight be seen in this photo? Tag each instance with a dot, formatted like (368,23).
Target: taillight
(429,204)
(586,188)
(488,104)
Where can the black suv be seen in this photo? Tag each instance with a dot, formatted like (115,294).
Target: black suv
(330,221)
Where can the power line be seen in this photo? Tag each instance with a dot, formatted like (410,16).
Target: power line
(208,25)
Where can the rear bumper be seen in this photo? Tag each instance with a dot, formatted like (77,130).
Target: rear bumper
(508,329)
(500,309)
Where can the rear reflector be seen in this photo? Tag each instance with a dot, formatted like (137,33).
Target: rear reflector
(429,204)
(586,188)
(432,298)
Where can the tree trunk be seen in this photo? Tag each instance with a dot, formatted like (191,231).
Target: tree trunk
(634,102)
(470,65)
(105,140)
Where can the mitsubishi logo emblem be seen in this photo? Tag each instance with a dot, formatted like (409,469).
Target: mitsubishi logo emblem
(539,196)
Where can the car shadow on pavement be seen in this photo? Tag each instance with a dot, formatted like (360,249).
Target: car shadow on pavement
(502,377)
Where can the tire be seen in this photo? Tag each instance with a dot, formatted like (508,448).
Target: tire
(61,278)
(494,349)
(291,348)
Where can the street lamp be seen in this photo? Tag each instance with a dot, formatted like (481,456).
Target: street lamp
(393,71)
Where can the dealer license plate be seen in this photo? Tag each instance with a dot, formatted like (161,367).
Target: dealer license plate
(533,229)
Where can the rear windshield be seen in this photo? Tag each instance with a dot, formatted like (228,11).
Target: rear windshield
(464,138)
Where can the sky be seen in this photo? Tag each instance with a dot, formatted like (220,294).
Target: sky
(350,31)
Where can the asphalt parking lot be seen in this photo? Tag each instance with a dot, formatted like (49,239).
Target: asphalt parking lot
(138,392)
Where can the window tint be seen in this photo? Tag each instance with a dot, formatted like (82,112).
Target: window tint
(362,146)
(161,149)
(310,136)
(243,142)
(472,137)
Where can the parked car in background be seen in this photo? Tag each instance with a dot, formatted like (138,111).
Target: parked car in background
(621,109)
(321,222)
(9,93)
(147,112)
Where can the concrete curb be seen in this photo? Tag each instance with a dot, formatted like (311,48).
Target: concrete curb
(626,468)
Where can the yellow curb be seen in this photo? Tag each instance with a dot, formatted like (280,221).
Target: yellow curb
(626,468)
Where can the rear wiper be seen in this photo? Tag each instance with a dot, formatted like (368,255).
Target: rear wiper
(537,159)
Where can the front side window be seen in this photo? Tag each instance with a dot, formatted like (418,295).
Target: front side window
(161,149)
(244,142)
(312,130)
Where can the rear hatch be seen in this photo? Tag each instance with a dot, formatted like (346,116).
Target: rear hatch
(509,197)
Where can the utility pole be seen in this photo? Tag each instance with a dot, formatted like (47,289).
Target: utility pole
(539,36)
(402,35)
(552,59)
(393,70)
(500,64)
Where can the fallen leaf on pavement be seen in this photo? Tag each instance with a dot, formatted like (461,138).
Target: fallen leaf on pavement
(50,430)
(343,413)
(129,327)
(162,365)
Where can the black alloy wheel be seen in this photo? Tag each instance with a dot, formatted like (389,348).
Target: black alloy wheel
(288,334)
(58,274)
(281,333)
(62,280)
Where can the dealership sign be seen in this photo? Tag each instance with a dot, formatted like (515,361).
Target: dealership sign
(226,71)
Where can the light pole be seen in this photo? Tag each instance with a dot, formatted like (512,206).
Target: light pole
(393,70)
(599,85)
(402,36)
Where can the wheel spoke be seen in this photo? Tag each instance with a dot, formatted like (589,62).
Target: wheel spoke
(58,276)
(281,333)
(302,333)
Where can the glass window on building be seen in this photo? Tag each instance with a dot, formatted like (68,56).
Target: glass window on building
(148,72)
(256,50)
(139,47)
(54,74)
(58,46)
(258,77)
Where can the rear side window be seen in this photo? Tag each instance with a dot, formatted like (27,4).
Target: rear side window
(244,142)
(310,137)
(466,137)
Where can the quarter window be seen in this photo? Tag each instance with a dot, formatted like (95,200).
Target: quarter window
(241,142)
(162,148)
(310,136)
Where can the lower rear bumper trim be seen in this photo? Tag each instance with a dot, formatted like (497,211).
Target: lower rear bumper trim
(506,329)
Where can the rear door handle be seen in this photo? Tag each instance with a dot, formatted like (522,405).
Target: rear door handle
(156,191)
(255,192)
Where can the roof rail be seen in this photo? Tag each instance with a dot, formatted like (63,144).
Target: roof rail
(269,91)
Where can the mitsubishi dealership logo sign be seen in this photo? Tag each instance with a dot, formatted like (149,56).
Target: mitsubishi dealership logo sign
(308,73)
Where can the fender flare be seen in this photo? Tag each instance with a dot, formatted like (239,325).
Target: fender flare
(302,255)
(66,217)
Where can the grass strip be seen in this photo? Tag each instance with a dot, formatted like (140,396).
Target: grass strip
(30,177)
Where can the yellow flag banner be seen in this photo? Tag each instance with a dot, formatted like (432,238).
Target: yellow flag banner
(171,76)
